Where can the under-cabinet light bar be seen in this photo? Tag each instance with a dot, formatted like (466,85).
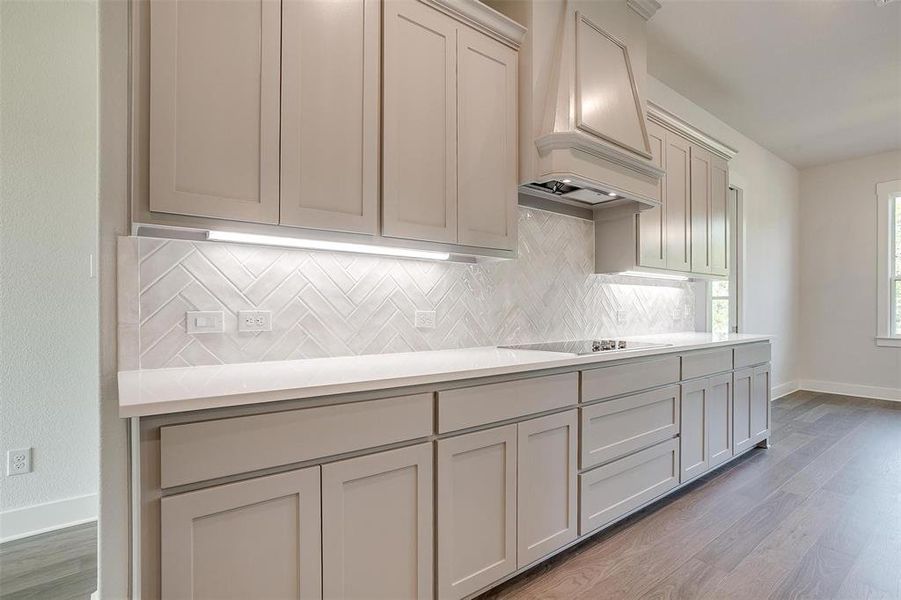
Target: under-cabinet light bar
(307,244)
(655,275)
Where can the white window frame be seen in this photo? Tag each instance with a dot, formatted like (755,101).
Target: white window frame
(736,213)
(886,192)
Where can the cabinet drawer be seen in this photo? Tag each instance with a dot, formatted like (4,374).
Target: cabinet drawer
(200,451)
(699,364)
(618,427)
(752,354)
(629,377)
(473,406)
(611,491)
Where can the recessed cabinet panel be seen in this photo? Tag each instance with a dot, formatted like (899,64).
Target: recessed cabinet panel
(741,410)
(546,498)
(419,193)
(700,211)
(693,431)
(719,217)
(760,403)
(719,419)
(486,138)
(476,510)
(330,114)
(214,109)
(377,525)
(678,203)
(258,538)
(652,223)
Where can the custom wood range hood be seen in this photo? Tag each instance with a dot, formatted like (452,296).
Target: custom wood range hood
(583,137)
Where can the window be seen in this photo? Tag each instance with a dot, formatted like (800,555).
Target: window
(723,296)
(888,195)
(719,306)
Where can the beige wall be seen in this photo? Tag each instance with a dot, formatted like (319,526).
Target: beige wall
(772,227)
(838,279)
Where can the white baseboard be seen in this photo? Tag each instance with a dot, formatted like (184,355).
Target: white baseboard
(40,518)
(851,389)
(784,390)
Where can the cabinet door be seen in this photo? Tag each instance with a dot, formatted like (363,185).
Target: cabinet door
(741,410)
(258,538)
(419,180)
(677,191)
(700,210)
(760,403)
(693,430)
(476,506)
(652,223)
(330,114)
(377,525)
(546,509)
(719,419)
(486,138)
(719,216)
(214,108)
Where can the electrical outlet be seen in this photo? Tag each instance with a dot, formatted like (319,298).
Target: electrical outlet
(621,316)
(203,321)
(18,462)
(424,319)
(254,320)
(677,314)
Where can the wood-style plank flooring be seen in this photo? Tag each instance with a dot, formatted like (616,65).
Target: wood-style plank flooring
(59,565)
(818,515)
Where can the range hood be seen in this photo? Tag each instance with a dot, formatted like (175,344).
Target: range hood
(582,68)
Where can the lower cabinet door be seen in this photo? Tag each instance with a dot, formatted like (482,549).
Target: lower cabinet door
(719,419)
(476,506)
(693,429)
(258,538)
(546,485)
(377,525)
(741,410)
(617,488)
(760,404)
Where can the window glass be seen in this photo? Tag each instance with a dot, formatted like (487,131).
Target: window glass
(719,306)
(898,236)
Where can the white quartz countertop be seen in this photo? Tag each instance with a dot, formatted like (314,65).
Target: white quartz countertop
(163,391)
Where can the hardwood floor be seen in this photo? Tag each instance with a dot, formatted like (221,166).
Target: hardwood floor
(59,565)
(818,515)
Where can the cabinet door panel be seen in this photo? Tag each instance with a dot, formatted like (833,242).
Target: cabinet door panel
(760,403)
(719,419)
(678,203)
(486,109)
(258,538)
(214,109)
(652,223)
(377,525)
(693,430)
(419,193)
(476,510)
(719,217)
(330,114)
(741,410)
(546,485)
(700,210)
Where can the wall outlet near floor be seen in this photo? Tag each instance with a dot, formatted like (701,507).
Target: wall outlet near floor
(254,320)
(203,321)
(424,319)
(18,462)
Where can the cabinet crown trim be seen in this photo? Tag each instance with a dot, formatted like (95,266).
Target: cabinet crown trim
(645,8)
(667,119)
(484,18)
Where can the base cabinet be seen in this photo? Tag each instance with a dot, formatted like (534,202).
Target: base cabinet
(719,421)
(751,407)
(693,430)
(377,524)
(258,538)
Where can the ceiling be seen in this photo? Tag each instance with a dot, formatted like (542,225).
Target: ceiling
(814,81)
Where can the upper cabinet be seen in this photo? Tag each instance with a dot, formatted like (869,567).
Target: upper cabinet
(690,232)
(372,121)
(450,130)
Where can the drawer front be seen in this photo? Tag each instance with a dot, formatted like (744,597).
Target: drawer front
(480,405)
(749,355)
(699,364)
(611,491)
(619,427)
(617,380)
(200,451)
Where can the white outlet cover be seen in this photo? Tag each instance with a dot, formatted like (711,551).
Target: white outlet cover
(424,319)
(18,462)
(204,321)
(254,320)
(621,317)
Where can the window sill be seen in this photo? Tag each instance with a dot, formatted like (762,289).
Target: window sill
(888,342)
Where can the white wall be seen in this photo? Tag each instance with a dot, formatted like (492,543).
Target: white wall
(49,304)
(838,293)
(772,228)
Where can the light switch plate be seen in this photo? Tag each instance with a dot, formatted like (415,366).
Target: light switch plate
(204,321)
(424,319)
(254,320)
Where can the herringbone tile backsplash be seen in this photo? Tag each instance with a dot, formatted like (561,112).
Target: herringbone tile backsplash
(332,304)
